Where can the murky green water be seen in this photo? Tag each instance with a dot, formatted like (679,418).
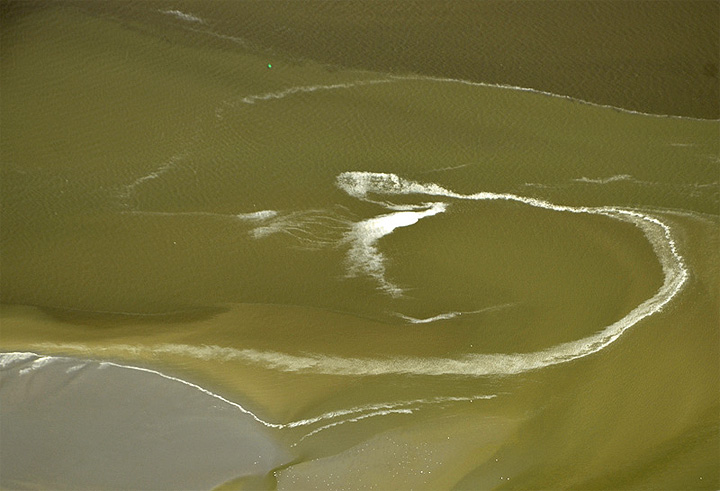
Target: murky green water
(412,278)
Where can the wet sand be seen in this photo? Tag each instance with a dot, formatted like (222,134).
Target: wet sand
(69,423)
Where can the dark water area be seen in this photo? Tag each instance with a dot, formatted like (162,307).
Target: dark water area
(659,57)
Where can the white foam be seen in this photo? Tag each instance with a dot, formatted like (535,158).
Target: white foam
(162,169)
(304,89)
(400,407)
(445,169)
(253,217)
(9,359)
(313,229)
(620,177)
(364,258)
(251,99)
(452,315)
(360,184)
(358,418)
(695,189)
(183,16)
(225,37)
(258,216)
(435,318)
(39,361)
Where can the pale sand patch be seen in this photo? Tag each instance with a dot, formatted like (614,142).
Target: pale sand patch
(431,455)
(68,423)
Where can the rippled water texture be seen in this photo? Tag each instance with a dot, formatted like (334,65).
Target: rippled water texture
(322,261)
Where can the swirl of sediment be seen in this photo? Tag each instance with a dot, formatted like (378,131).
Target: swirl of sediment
(360,184)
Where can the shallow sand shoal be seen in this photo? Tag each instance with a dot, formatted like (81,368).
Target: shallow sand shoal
(68,423)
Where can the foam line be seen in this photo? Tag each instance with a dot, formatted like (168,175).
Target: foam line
(435,318)
(383,406)
(452,315)
(360,184)
(445,169)
(688,189)
(130,189)
(545,93)
(251,99)
(183,16)
(303,89)
(37,361)
(313,229)
(359,418)
(619,177)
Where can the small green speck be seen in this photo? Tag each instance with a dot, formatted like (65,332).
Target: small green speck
(269,65)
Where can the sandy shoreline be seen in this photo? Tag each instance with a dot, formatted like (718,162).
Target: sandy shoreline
(69,423)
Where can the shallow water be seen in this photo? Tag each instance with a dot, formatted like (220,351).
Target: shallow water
(411,278)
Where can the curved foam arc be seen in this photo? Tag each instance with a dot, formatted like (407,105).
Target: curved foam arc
(383,406)
(385,412)
(258,216)
(359,184)
(606,180)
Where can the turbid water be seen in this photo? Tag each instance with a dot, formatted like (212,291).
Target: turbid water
(359,274)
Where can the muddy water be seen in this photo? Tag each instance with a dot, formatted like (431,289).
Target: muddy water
(410,276)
